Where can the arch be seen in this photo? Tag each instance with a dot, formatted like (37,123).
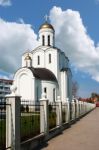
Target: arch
(24,81)
(22,71)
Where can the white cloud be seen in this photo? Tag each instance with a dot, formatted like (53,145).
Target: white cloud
(5,2)
(72,37)
(15,39)
(97,1)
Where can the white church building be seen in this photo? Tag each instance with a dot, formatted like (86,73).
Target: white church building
(44,70)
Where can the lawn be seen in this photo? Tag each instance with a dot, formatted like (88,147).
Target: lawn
(2,133)
(52,120)
(63,116)
(30,126)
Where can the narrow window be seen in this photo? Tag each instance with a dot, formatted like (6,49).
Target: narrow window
(43,40)
(38,60)
(48,40)
(45,90)
(54,95)
(49,58)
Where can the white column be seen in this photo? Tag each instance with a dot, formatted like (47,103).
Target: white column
(67,111)
(13,122)
(77,109)
(44,117)
(73,110)
(59,111)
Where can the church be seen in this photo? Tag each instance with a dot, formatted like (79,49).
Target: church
(44,70)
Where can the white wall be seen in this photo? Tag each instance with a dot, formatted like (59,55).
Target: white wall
(39,53)
(50,86)
(26,87)
(54,65)
(25,83)
(43,53)
(70,84)
(64,86)
(30,88)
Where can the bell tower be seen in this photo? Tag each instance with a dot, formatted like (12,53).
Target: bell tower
(28,61)
(47,34)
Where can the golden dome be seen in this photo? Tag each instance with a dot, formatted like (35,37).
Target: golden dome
(46,26)
(28,57)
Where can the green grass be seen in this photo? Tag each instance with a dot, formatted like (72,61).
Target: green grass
(30,126)
(52,120)
(2,133)
(63,116)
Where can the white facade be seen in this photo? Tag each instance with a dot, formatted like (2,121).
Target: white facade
(44,70)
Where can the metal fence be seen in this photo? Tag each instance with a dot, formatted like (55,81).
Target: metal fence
(3,106)
(64,113)
(52,107)
(70,107)
(30,119)
(2,124)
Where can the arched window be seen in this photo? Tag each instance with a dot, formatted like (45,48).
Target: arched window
(38,60)
(49,58)
(45,91)
(48,40)
(43,40)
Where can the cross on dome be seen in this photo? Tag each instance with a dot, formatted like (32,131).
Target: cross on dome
(46,25)
(46,18)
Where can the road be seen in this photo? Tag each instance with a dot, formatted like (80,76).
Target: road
(84,135)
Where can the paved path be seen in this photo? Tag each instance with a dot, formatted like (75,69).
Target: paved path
(84,135)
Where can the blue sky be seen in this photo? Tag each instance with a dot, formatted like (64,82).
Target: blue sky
(28,15)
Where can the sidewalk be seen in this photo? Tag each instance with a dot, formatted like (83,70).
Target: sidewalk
(84,135)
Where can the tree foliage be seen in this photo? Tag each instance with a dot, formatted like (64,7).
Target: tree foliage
(75,88)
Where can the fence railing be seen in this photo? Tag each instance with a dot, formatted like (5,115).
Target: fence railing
(52,108)
(22,120)
(64,113)
(2,125)
(3,118)
(30,119)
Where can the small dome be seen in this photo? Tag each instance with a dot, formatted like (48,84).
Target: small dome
(28,57)
(46,26)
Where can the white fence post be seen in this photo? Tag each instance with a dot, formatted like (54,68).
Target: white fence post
(59,111)
(67,111)
(77,109)
(44,119)
(73,110)
(13,122)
